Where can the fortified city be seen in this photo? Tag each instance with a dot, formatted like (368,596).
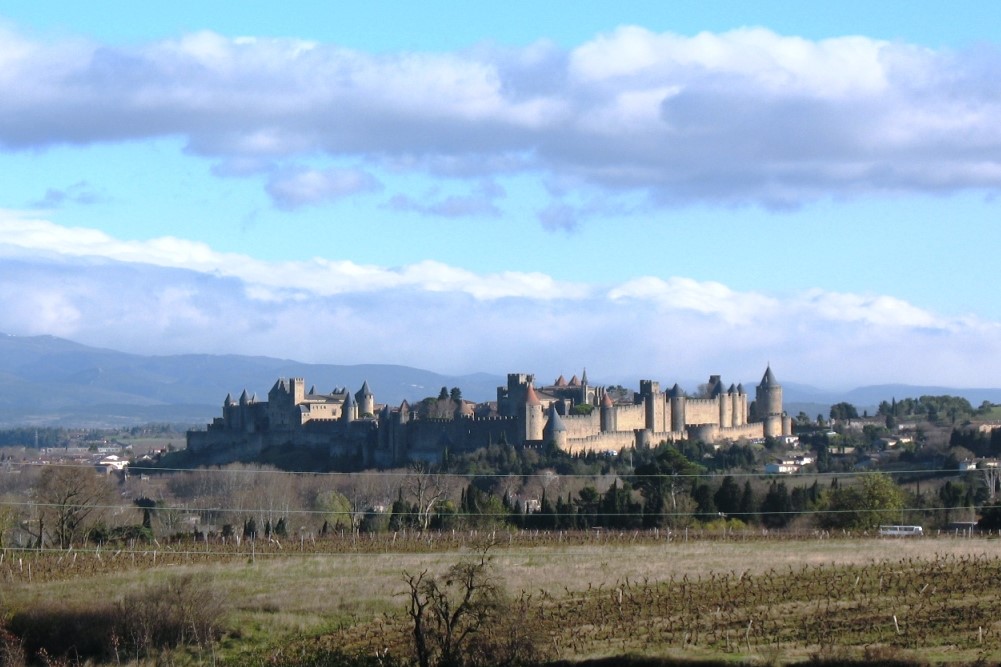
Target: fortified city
(574,416)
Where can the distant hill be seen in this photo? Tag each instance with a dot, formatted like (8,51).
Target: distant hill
(46,380)
(815,401)
(51,381)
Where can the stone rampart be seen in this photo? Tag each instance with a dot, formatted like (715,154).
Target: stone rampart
(602,442)
(630,417)
(582,426)
(701,411)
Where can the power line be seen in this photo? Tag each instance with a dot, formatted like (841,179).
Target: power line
(399,472)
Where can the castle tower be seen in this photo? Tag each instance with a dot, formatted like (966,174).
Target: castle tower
(768,404)
(349,411)
(229,412)
(297,388)
(511,399)
(743,407)
(280,405)
(677,398)
(533,415)
(735,406)
(555,431)
(654,406)
(725,400)
(608,416)
(242,420)
(366,400)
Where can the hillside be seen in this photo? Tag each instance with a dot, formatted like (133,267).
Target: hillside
(46,380)
(51,381)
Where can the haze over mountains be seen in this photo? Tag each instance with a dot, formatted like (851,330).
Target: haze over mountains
(49,381)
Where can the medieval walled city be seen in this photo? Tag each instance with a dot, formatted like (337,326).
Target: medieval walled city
(574,416)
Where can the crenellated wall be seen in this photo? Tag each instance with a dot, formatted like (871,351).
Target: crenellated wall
(602,442)
(701,411)
(582,426)
(630,417)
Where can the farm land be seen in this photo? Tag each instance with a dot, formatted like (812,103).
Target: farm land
(688,596)
(231,566)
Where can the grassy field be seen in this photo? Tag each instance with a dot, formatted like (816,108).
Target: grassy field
(740,598)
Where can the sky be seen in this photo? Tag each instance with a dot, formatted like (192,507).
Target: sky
(645,190)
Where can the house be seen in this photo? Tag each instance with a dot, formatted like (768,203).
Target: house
(782,467)
(111,463)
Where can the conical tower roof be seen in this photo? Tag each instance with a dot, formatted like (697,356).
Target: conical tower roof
(364,391)
(531,398)
(606,400)
(555,423)
(769,378)
(348,409)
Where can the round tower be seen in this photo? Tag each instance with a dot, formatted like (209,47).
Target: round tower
(768,404)
(607,414)
(534,422)
(555,431)
(677,409)
(349,411)
(366,400)
(724,403)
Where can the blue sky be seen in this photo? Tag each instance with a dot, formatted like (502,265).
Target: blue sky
(660,190)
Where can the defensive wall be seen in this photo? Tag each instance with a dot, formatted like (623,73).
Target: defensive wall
(354,426)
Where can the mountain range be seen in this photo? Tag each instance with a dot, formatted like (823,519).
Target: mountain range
(50,381)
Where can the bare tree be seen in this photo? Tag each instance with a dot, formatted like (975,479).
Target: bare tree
(464,618)
(991,477)
(8,518)
(447,612)
(68,499)
(427,489)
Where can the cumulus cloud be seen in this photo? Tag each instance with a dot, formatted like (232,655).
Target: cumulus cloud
(741,117)
(708,298)
(169,295)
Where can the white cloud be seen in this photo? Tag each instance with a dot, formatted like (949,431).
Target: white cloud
(171,295)
(741,117)
(274,281)
(300,187)
(709,298)
(878,310)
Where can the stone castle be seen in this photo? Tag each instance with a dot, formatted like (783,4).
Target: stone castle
(574,416)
